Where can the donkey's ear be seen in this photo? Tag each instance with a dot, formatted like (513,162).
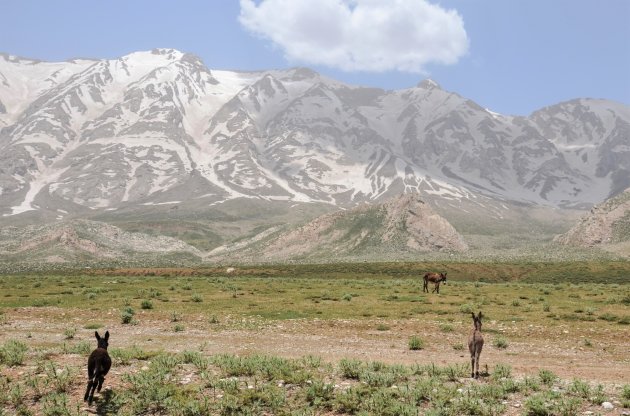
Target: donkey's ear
(97,335)
(473,315)
(106,335)
(480,315)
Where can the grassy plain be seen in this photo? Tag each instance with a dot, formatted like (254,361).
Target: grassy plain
(320,339)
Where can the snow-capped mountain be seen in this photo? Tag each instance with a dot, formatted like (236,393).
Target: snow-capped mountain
(158,127)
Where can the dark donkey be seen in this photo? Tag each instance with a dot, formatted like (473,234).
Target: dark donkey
(99,364)
(436,279)
(475,344)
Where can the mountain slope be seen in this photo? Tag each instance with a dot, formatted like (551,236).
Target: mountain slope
(606,226)
(87,242)
(404,224)
(158,127)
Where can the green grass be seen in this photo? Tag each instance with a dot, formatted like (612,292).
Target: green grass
(380,297)
(343,291)
(226,384)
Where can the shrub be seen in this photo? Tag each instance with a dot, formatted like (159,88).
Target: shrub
(60,380)
(126,315)
(69,333)
(416,343)
(196,298)
(625,396)
(547,377)
(535,406)
(501,371)
(598,397)
(12,352)
(320,394)
(446,328)
(500,342)
(609,317)
(55,404)
(146,304)
(580,388)
(350,368)
(466,308)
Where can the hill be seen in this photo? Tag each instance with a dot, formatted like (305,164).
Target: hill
(404,224)
(82,242)
(607,226)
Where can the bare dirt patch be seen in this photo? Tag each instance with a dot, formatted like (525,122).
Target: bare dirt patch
(559,349)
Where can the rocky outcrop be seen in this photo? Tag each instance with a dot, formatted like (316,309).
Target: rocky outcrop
(607,224)
(402,224)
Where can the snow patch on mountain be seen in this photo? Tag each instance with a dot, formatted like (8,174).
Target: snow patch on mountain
(95,134)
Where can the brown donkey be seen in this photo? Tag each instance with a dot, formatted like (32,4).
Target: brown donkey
(436,279)
(475,344)
(99,364)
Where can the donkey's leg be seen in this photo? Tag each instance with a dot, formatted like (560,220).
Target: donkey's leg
(87,390)
(477,354)
(91,395)
(101,379)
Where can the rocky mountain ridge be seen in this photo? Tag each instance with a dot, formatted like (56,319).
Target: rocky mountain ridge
(159,127)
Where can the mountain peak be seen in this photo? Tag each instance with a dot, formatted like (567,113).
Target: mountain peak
(302,73)
(429,84)
(154,57)
(166,51)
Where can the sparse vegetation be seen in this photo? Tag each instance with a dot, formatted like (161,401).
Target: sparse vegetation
(69,333)
(500,342)
(12,352)
(416,343)
(127,314)
(386,304)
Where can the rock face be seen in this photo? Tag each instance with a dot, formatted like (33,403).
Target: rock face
(401,224)
(159,127)
(606,225)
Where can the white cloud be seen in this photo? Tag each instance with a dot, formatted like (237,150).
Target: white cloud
(365,35)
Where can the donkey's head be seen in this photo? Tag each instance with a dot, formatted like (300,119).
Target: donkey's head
(102,341)
(443,277)
(477,320)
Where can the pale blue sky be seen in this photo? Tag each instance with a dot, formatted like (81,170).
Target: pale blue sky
(521,54)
